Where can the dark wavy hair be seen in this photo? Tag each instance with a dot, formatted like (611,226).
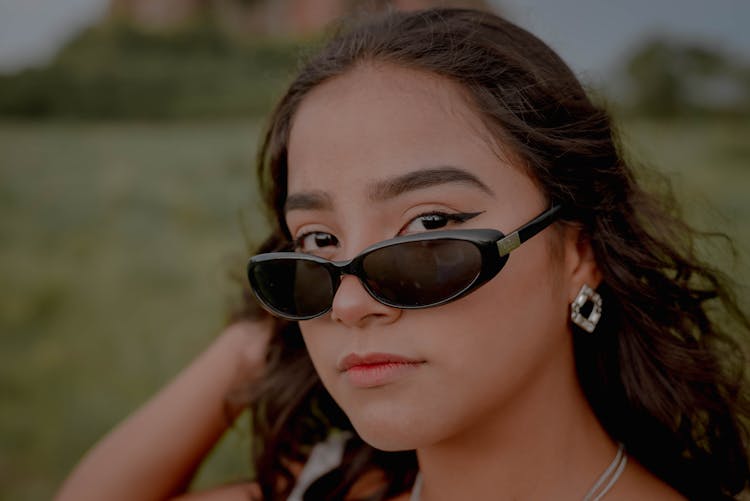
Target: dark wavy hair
(664,372)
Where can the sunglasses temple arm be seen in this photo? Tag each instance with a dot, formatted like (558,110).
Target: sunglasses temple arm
(506,244)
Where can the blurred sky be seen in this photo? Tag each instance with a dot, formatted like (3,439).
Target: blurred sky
(591,35)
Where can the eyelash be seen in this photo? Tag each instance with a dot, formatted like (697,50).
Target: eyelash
(454,217)
(450,217)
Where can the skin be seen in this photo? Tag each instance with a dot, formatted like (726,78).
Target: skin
(494,394)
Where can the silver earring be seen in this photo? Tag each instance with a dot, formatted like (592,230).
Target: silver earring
(585,295)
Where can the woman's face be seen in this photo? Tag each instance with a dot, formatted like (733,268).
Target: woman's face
(384,151)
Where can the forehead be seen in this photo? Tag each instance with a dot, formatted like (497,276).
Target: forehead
(378,121)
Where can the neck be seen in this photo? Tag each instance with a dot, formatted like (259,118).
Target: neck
(544,443)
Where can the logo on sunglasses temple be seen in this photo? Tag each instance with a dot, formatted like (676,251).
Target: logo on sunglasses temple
(509,243)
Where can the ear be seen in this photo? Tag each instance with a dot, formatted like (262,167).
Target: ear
(580,264)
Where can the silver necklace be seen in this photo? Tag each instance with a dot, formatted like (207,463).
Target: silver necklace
(602,486)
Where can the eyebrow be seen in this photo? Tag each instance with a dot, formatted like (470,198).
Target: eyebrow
(390,188)
(308,200)
(423,178)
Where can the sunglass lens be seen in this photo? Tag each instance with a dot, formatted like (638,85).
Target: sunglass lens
(422,273)
(293,287)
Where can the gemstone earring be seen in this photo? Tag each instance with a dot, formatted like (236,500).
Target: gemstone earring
(586,295)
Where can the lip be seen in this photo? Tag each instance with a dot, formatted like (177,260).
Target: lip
(376,369)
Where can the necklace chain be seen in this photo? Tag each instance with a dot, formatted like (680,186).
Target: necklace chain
(601,487)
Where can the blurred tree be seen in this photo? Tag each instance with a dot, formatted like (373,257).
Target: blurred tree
(182,58)
(265,17)
(669,78)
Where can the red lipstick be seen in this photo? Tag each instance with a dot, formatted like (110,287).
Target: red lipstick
(376,369)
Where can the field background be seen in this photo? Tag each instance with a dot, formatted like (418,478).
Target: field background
(116,244)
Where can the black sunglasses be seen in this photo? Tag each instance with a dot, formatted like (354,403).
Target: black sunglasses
(407,272)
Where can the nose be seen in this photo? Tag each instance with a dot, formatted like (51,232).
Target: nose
(354,307)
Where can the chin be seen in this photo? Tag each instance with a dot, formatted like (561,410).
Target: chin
(388,440)
(390,431)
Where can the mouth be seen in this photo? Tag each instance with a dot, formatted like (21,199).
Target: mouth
(376,369)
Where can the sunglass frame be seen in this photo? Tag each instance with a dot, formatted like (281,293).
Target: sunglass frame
(494,247)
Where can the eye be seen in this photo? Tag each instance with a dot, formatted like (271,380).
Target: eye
(427,222)
(314,241)
(436,221)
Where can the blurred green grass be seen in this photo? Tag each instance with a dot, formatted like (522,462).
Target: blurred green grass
(115,244)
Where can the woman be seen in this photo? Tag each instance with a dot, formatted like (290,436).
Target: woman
(511,305)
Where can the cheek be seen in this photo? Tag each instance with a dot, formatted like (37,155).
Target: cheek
(509,326)
(491,347)
(322,346)
(515,321)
